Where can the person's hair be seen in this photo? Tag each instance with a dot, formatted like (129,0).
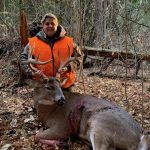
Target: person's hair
(48,15)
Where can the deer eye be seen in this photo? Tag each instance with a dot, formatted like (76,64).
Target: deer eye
(49,87)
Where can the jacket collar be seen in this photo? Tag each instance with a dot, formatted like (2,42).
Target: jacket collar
(59,34)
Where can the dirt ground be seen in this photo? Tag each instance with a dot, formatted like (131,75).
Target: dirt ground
(18,120)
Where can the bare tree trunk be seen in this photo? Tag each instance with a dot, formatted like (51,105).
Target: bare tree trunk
(112,16)
(100,21)
(105,16)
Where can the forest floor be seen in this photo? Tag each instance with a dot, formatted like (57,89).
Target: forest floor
(18,120)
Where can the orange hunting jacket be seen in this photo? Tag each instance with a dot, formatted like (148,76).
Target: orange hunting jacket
(45,52)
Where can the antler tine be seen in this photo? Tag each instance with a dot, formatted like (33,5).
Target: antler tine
(35,61)
(69,59)
(32,61)
(34,69)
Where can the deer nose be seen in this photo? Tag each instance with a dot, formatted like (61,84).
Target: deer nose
(61,101)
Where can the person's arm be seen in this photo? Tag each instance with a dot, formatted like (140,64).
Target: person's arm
(24,57)
(77,50)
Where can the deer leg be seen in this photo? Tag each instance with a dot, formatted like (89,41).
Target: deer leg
(49,137)
(92,140)
(97,144)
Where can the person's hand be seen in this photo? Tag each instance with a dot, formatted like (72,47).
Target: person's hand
(67,68)
(64,69)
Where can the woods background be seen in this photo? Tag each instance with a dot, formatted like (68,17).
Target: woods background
(113,26)
(98,23)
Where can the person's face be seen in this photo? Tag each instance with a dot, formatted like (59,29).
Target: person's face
(50,26)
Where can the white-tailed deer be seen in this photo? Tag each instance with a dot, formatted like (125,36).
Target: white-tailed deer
(97,121)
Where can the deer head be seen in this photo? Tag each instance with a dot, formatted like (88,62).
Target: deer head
(52,86)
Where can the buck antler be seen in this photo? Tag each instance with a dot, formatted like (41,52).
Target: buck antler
(63,65)
(32,61)
(69,59)
(35,61)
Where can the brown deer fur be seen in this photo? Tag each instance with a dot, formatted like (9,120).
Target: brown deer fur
(97,121)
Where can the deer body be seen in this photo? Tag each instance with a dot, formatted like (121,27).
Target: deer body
(97,121)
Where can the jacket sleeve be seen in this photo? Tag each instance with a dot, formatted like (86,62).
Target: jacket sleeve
(25,67)
(77,50)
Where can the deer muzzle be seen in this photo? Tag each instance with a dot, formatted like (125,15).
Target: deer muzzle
(61,100)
